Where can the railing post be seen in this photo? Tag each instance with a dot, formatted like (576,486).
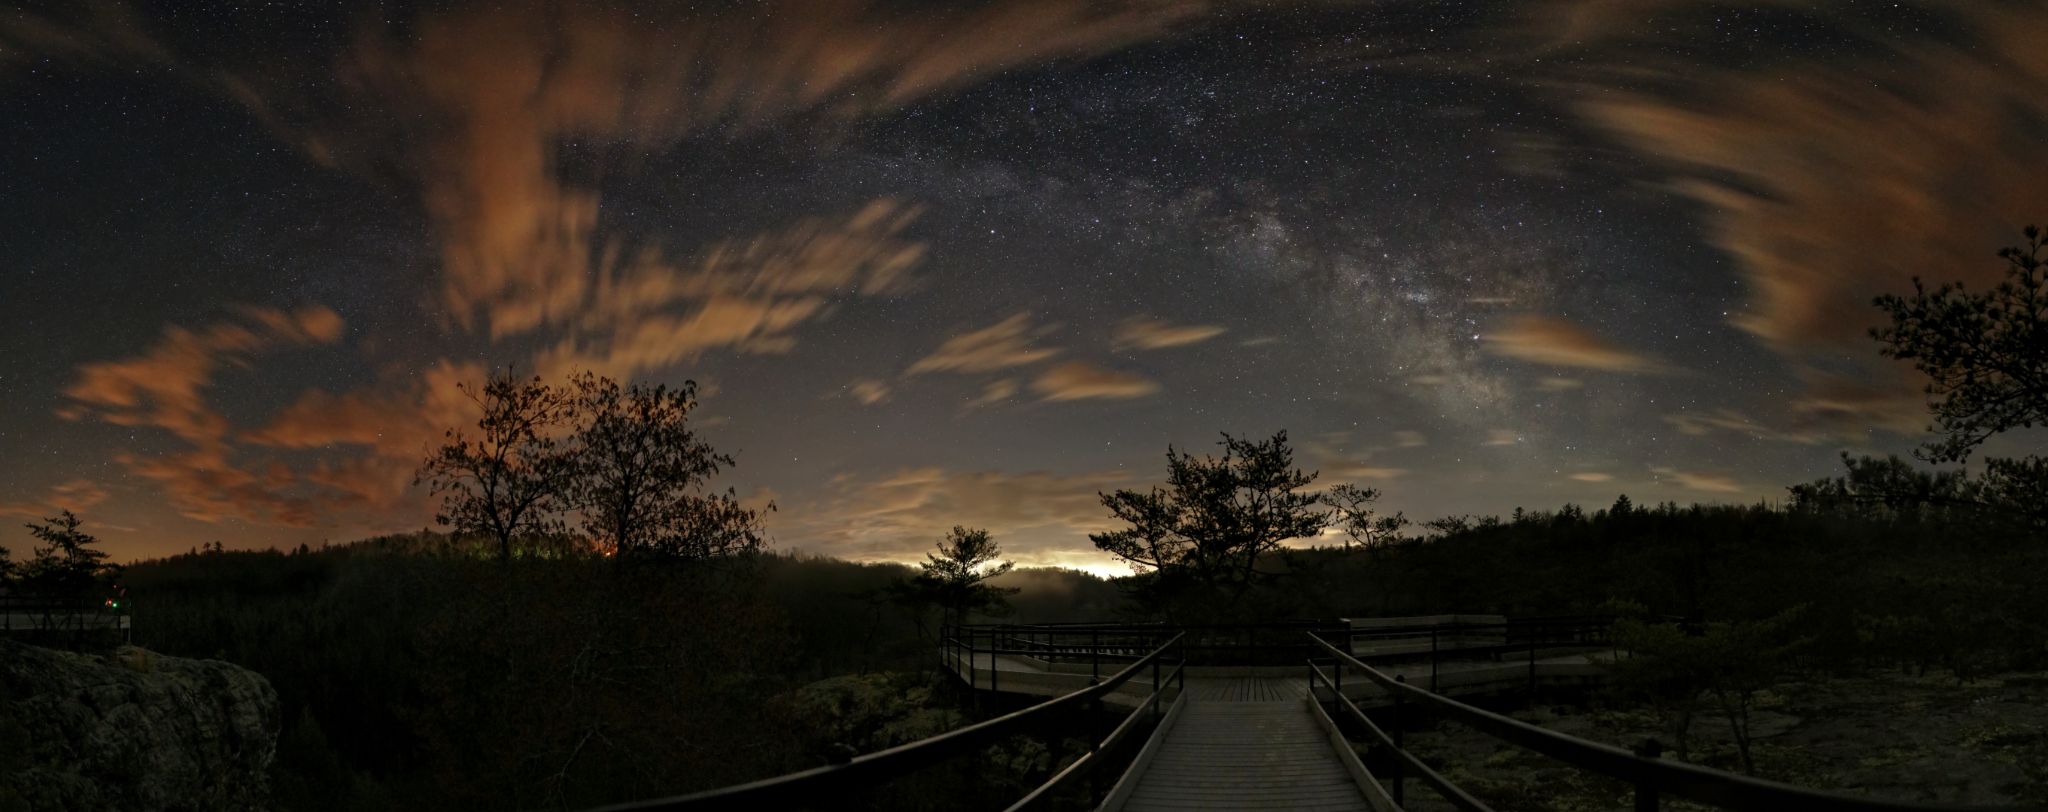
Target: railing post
(1432,659)
(1646,795)
(1181,674)
(1398,772)
(1095,654)
(1532,670)
(1155,686)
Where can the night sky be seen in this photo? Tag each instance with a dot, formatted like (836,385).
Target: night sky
(970,263)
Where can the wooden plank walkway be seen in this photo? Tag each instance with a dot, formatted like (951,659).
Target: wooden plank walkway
(1265,753)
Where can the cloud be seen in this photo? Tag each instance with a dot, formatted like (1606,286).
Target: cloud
(1077,380)
(1006,344)
(1709,483)
(1556,342)
(1592,476)
(868,391)
(994,392)
(898,515)
(1825,175)
(1343,473)
(483,97)
(1152,334)
(165,387)
(1409,439)
(745,294)
(94,34)
(75,495)
(1826,180)
(203,484)
(1735,422)
(1502,437)
(1558,384)
(1850,406)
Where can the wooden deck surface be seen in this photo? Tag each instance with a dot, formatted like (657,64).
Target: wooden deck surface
(1262,753)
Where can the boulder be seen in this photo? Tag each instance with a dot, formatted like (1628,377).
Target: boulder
(132,730)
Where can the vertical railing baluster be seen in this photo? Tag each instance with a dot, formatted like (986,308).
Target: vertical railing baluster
(1646,793)
(1399,773)
(1432,659)
(1095,654)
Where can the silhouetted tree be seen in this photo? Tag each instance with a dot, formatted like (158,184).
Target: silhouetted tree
(955,578)
(69,565)
(1352,513)
(640,475)
(1202,536)
(507,480)
(2009,489)
(1986,355)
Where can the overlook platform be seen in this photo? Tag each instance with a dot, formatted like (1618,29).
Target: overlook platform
(1270,716)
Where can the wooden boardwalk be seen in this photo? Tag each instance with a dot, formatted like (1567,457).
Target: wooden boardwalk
(1247,743)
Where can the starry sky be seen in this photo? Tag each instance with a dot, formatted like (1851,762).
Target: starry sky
(970,263)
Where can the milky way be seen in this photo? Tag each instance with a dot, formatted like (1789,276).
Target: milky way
(943,264)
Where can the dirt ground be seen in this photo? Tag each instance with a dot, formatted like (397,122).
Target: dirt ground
(1885,734)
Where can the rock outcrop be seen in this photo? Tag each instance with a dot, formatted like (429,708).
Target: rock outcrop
(131,730)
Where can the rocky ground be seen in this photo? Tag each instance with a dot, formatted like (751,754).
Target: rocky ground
(131,730)
(1885,734)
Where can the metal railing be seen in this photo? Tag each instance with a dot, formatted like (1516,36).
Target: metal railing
(800,788)
(1104,644)
(50,615)
(1651,776)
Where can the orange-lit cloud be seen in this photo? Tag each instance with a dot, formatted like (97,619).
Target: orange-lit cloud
(76,496)
(1349,473)
(1592,476)
(1005,344)
(994,392)
(165,387)
(1077,380)
(1728,420)
(1706,482)
(1557,342)
(484,96)
(1153,334)
(868,391)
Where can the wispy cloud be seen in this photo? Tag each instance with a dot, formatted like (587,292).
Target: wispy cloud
(1705,482)
(1145,333)
(1077,380)
(1557,342)
(75,495)
(1731,421)
(1005,344)
(868,391)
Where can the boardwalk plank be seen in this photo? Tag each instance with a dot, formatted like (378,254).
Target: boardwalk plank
(1247,743)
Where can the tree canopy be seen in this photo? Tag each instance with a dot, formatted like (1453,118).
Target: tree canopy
(1205,531)
(67,563)
(641,473)
(505,481)
(1985,354)
(955,577)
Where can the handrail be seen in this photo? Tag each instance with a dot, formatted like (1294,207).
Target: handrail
(787,790)
(1651,775)
(1087,761)
(1450,792)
